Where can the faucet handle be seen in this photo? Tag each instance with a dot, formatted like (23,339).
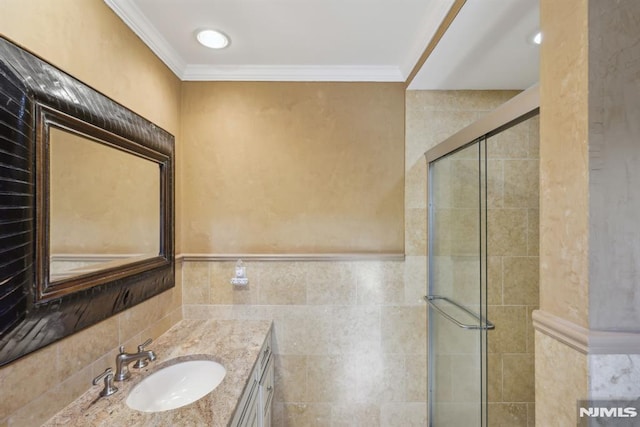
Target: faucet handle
(121,349)
(109,388)
(144,344)
(141,363)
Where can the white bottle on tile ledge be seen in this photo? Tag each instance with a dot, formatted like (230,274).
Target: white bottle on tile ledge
(240,278)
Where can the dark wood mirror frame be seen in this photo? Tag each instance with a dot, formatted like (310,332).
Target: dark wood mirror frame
(35,96)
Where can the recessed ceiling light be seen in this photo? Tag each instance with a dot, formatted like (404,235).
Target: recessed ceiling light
(212,39)
(537,38)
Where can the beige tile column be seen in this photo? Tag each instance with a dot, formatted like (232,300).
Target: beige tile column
(561,371)
(588,193)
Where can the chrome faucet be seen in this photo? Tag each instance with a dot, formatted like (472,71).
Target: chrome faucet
(142,357)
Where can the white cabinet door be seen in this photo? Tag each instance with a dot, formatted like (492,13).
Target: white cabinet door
(252,418)
(248,402)
(266,394)
(266,421)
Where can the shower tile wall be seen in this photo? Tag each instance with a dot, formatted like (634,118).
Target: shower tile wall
(512,222)
(513,276)
(431,117)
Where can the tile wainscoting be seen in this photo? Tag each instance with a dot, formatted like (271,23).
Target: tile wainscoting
(349,336)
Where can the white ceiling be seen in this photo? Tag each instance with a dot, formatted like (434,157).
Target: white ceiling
(488,46)
(342,40)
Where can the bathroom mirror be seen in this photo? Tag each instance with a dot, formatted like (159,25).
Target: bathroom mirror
(86,205)
(104,206)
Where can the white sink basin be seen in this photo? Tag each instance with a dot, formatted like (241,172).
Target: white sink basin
(176,385)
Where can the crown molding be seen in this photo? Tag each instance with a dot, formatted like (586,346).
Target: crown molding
(293,73)
(133,17)
(585,340)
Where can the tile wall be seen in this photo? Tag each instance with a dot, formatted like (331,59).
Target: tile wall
(350,336)
(513,272)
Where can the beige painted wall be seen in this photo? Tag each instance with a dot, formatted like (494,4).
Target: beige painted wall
(87,40)
(292,167)
(84,38)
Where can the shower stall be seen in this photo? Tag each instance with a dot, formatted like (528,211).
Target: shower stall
(483,269)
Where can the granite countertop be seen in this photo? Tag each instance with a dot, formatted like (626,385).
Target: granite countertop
(235,344)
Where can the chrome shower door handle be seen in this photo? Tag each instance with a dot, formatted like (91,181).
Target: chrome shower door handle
(482,323)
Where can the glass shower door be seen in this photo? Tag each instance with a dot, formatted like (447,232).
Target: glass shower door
(457,288)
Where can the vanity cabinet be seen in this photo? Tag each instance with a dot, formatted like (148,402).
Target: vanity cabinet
(254,407)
